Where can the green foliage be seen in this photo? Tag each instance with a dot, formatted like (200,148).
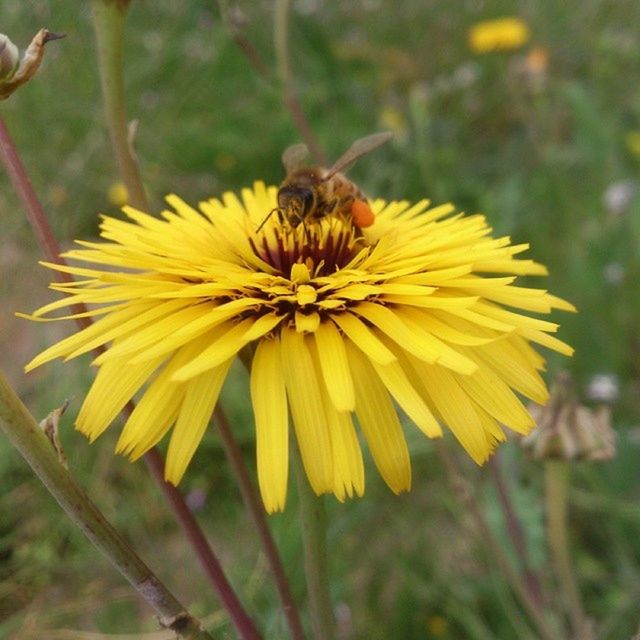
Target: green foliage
(535,153)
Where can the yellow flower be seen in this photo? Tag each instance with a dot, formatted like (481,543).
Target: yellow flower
(340,326)
(502,34)
(118,194)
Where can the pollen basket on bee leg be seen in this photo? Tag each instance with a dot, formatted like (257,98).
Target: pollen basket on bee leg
(362,214)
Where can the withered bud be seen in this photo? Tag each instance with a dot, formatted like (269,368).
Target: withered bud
(9,57)
(15,71)
(567,430)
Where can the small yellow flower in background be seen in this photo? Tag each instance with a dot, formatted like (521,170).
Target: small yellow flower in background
(340,326)
(632,141)
(118,194)
(502,34)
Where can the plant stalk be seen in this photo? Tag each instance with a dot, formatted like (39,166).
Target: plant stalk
(257,514)
(556,474)
(285,74)
(313,519)
(22,430)
(109,19)
(514,529)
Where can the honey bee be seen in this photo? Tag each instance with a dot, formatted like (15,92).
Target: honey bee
(308,194)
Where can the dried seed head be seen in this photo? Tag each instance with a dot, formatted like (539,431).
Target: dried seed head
(15,71)
(9,58)
(567,430)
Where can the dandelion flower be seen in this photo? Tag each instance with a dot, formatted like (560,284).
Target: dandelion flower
(342,329)
(501,34)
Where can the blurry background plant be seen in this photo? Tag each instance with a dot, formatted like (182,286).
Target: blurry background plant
(536,137)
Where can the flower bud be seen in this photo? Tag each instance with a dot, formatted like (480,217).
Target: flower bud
(567,430)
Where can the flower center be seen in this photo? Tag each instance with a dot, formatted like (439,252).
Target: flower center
(325,247)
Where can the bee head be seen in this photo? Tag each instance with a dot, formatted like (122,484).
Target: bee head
(296,203)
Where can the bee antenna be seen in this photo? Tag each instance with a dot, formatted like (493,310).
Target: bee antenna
(266,218)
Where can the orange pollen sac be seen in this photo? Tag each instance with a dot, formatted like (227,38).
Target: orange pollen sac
(362,214)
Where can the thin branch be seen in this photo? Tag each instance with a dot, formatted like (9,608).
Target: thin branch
(22,430)
(514,528)
(285,74)
(257,513)
(235,22)
(109,21)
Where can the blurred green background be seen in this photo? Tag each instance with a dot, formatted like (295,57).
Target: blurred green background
(544,139)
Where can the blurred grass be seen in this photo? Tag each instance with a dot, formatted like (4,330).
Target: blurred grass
(535,152)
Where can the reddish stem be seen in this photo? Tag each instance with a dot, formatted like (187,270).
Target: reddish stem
(51,250)
(514,528)
(212,567)
(256,511)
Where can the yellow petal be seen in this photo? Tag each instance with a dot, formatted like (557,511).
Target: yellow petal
(268,396)
(222,348)
(455,407)
(447,356)
(445,331)
(307,409)
(348,466)
(306,294)
(364,338)
(307,322)
(261,326)
(200,397)
(548,341)
(397,383)
(490,392)
(332,356)
(379,422)
(108,325)
(115,384)
(178,329)
(503,358)
(158,408)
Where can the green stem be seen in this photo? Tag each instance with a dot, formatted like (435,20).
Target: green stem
(22,430)
(109,19)
(316,566)
(556,486)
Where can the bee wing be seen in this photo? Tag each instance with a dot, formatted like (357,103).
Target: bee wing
(357,149)
(294,157)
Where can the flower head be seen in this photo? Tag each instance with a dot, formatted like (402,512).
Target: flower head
(340,322)
(567,430)
(501,34)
